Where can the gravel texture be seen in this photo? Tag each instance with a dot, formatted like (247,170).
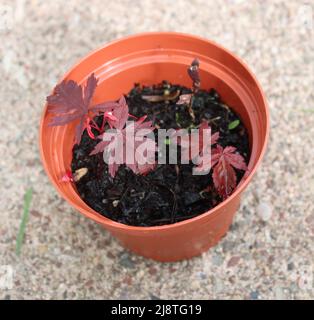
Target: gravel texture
(268,253)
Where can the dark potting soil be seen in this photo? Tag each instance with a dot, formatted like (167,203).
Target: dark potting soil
(168,194)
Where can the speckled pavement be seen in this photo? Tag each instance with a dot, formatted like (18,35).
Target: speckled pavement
(268,253)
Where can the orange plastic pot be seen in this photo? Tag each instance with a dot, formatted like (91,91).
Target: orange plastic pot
(147,59)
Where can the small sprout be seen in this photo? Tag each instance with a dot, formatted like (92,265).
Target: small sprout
(79,173)
(232,125)
(115,203)
(193,72)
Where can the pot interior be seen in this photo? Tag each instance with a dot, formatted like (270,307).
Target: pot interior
(148,59)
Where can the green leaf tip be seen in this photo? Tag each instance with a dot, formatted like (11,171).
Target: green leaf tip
(232,125)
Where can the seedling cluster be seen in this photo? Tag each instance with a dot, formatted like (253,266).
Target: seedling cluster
(71,102)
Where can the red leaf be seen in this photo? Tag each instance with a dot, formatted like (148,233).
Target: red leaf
(224,176)
(216,154)
(79,129)
(109,116)
(67,99)
(141,130)
(235,159)
(104,107)
(195,149)
(89,90)
(144,162)
(214,138)
(116,113)
(71,102)
(68,103)
(121,112)
(100,147)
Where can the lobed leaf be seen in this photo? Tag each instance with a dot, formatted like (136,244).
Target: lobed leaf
(223,161)
(141,130)
(68,103)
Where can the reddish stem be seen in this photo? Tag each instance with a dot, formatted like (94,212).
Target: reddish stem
(89,132)
(92,126)
(95,125)
(131,115)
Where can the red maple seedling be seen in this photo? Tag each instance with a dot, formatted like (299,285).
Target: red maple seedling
(194,74)
(187,99)
(223,162)
(140,164)
(72,102)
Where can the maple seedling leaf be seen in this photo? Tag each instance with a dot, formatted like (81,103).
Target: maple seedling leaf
(223,161)
(118,116)
(114,113)
(193,144)
(141,163)
(72,102)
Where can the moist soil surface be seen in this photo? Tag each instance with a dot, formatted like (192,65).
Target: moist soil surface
(170,193)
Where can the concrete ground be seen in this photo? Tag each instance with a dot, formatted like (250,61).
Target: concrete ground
(65,256)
